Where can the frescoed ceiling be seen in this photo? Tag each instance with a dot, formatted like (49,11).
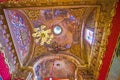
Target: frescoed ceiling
(61,42)
(55,31)
(20,32)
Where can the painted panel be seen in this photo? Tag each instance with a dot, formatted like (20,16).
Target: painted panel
(19,29)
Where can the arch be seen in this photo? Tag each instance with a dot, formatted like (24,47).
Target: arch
(73,59)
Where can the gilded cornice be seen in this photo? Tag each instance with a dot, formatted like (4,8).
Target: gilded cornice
(107,11)
(34,3)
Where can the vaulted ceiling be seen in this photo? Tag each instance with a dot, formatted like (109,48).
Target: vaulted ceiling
(53,37)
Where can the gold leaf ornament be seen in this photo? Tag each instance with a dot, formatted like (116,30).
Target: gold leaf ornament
(42,36)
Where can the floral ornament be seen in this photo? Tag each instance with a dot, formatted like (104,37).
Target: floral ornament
(42,35)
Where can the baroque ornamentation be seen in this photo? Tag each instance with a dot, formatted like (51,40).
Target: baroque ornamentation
(104,22)
(7,47)
(42,35)
(32,14)
(40,50)
(75,49)
(78,12)
(105,15)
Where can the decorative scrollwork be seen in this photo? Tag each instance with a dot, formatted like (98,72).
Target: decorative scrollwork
(32,14)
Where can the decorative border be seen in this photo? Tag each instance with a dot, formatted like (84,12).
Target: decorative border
(25,61)
(106,14)
(6,45)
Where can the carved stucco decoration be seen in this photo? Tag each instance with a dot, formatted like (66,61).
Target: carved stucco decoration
(5,45)
(78,13)
(75,49)
(106,14)
(32,14)
(39,49)
(104,22)
(22,73)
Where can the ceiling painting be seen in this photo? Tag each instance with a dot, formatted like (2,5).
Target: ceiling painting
(54,31)
(55,40)
(60,24)
(20,32)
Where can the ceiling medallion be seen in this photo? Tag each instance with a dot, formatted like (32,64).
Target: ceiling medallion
(42,36)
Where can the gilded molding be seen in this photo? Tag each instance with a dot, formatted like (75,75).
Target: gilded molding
(104,22)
